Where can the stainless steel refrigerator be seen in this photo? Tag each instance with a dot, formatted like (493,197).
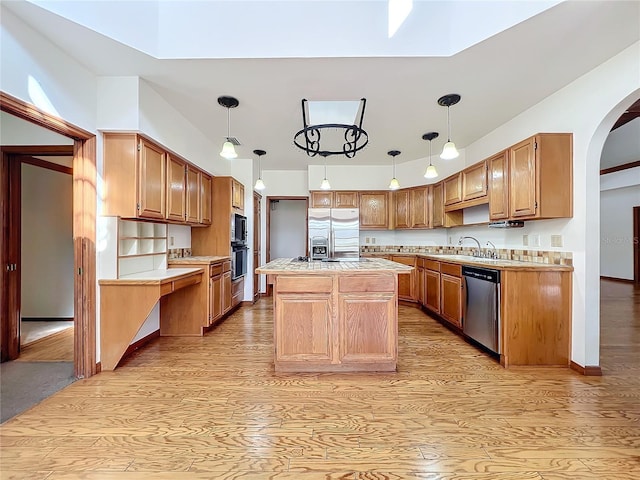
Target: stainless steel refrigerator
(334,234)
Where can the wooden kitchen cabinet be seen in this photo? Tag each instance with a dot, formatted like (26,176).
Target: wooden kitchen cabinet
(451,293)
(135,177)
(541,177)
(432,289)
(345,199)
(374,210)
(237,195)
(452,189)
(421,207)
(226,292)
(237,291)
(474,182)
(439,217)
(205,308)
(193,195)
(176,189)
(498,188)
(420,285)
(334,199)
(216,239)
(321,199)
(205,199)
(406,281)
(402,214)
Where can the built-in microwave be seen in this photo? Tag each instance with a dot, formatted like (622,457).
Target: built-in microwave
(238,229)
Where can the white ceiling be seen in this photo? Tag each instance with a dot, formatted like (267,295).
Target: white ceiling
(497,78)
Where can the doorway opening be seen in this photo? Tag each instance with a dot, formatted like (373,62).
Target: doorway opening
(286,234)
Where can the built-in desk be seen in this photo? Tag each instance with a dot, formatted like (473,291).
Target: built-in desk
(126,302)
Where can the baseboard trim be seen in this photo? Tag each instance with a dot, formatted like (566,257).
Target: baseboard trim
(139,343)
(614,279)
(588,371)
(46,319)
(98,367)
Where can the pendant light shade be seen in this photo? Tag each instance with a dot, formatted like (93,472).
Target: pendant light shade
(394,184)
(259,183)
(431,171)
(228,147)
(228,151)
(325,185)
(449,151)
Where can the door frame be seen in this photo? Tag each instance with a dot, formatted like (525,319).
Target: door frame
(268,230)
(636,245)
(84,235)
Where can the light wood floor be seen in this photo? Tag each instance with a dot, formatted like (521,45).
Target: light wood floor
(212,408)
(57,347)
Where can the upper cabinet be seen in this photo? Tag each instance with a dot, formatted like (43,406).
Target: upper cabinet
(541,177)
(334,199)
(402,205)
(134,176)
(498,173)
(452,189)
(237,195)
(143,180)
(474,182)
(205,198)
(421,207)
(374,210)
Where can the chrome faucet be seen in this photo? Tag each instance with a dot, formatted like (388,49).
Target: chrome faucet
(494,254)
(476,253)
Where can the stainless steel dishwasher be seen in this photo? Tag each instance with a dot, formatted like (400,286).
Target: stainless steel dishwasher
(482,315)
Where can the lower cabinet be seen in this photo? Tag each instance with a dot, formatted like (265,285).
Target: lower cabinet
(237,291)
(303,328)
(367,327)
(451,293)
(406,281)
(226,292)
(432,289)
(216,298)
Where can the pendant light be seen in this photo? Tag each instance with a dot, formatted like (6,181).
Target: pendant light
(394,184)
(259,183)
(431,171)
(449,151)
(228,149)
(325,185)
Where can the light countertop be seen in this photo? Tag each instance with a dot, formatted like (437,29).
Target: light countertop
(152,276)
(496,263)
(365,265)
(199,260)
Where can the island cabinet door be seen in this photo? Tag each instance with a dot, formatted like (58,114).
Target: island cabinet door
(368,327)
(303,328)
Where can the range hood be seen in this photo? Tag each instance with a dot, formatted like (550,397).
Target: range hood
(507,224)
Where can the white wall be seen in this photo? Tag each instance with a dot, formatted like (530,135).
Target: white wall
(288,228)
(47,243)
(622,145)
(619,193)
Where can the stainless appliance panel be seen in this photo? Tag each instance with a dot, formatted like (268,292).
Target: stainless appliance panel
(482,314)
(319,225)
(345,233)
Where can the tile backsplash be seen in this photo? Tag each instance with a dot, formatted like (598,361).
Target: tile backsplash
(535,256)
(179,253)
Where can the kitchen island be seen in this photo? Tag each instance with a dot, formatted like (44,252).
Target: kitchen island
(335,316)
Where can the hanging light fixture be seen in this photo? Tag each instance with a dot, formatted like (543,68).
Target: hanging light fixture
(431,171)
(259,183)
(228,148)
(449,151)
(394,184)
(325,185)
(333,137)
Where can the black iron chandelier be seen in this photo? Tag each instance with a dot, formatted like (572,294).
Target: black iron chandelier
(344,139)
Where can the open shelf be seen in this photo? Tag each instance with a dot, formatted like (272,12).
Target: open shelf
(142,246)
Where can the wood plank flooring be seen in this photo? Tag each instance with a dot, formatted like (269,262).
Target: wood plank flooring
(57,347)
(213,408)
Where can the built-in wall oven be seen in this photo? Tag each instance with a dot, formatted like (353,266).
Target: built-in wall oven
(239,255)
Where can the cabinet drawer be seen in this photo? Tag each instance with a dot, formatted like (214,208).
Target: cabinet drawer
(185,282)
(451,269)
(216,269)
(432,265)
(420,262)
(367,283)
(226,266)
(300,283)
